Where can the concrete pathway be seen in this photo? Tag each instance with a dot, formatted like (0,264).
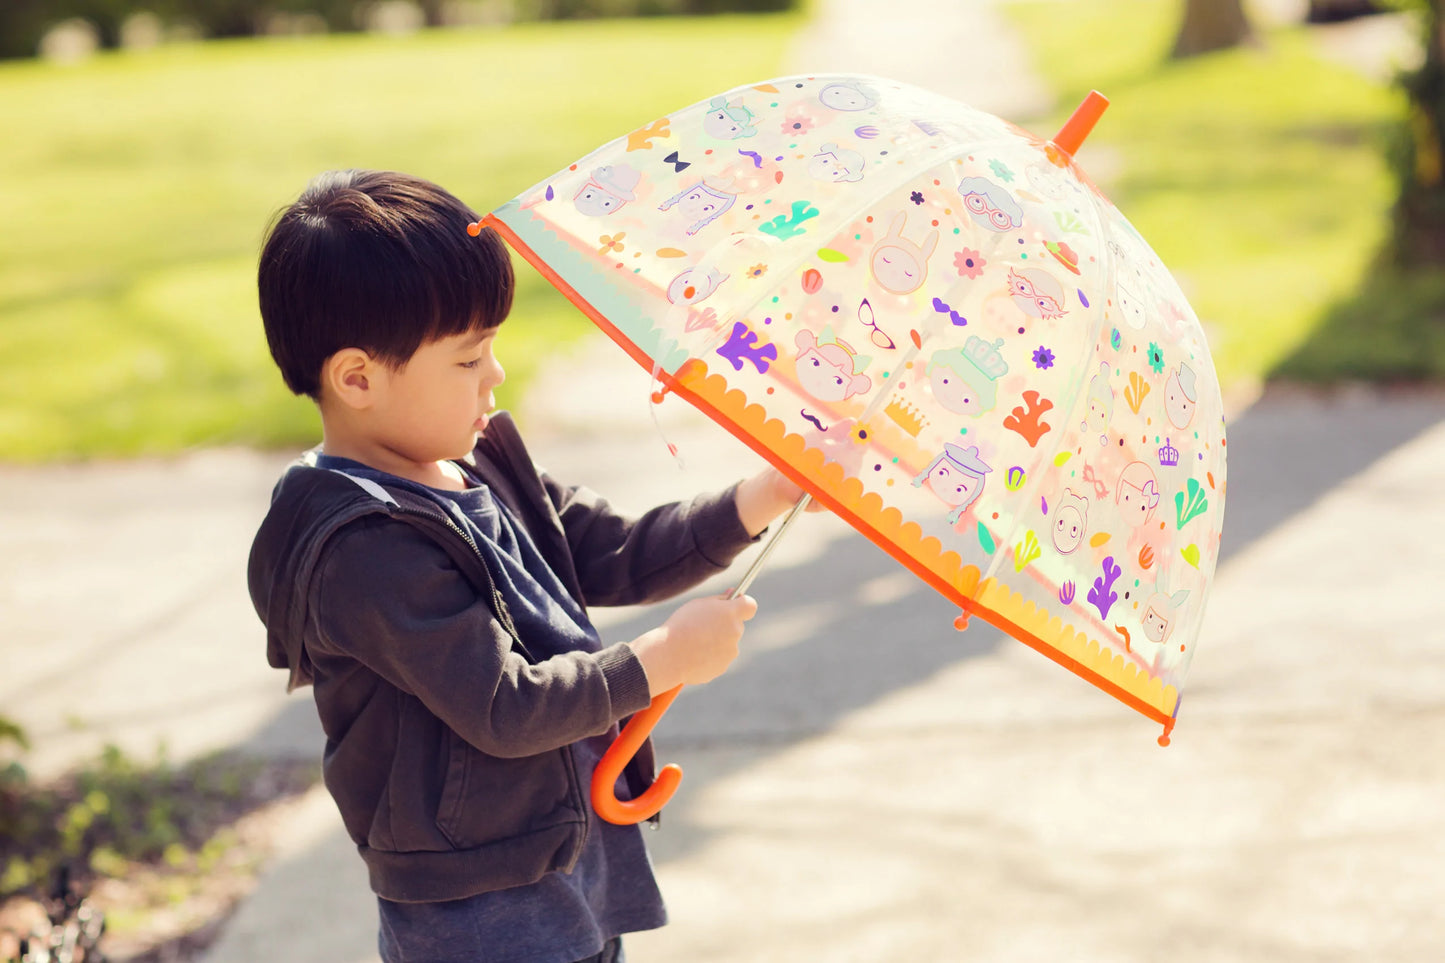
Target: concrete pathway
(866,784)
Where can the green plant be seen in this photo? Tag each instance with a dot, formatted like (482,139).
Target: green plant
(117,811)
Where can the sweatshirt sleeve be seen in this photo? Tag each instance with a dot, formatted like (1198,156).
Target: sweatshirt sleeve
(388,597)
(666,551)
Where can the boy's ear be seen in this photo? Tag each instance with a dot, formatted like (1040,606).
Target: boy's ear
(350,376)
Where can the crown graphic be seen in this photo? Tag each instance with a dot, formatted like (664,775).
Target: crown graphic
(1168,455)
(985,356)
(905,416)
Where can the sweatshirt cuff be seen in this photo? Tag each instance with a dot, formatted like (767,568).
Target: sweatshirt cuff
(626,680)
(718,531)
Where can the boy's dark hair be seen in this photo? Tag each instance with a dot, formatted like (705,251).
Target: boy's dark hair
(379,261)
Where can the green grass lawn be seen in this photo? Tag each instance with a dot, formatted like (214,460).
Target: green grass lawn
(1257,174)
(136,188)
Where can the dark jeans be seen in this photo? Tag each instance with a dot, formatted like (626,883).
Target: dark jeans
(611,952)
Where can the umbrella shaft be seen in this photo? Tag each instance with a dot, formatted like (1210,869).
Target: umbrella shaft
(757,565)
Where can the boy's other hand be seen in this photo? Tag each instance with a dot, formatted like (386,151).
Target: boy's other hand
(696,644)
(765,496)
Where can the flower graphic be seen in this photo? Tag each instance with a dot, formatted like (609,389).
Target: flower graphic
(1001,171)
(797,122)
(757,270)
(1043,358)
(969,263)
(1156,358)
(916,197)
(611,242)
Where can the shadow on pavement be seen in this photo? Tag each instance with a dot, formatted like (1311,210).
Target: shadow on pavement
(849,626)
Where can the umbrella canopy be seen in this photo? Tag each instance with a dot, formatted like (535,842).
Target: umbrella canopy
(935,323)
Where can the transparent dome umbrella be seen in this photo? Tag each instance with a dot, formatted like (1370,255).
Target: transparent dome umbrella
(936,324)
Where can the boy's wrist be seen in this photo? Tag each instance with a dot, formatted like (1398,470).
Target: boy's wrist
(764,497)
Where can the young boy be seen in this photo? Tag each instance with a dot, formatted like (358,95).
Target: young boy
(432,586)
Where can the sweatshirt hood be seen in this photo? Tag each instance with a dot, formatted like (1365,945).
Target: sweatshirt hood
(308,506)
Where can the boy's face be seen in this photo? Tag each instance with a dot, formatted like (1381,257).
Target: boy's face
(437,403)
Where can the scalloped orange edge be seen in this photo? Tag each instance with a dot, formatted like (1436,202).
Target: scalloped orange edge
(925,557)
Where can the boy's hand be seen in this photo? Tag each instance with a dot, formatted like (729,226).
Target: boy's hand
(765,496)
(696,644)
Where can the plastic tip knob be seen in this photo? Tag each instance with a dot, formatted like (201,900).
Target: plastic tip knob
(1071,136)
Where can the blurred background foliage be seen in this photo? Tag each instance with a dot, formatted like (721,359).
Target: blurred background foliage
(136,183)
(24,22)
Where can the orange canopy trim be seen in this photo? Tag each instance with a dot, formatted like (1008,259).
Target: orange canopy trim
(991,599)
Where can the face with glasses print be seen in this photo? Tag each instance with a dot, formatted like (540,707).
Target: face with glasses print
(1036,293)
(990,206)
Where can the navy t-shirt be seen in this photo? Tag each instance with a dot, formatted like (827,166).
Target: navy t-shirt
(563,916)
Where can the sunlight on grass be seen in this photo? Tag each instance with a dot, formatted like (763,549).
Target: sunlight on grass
(128,318)
(1257,174)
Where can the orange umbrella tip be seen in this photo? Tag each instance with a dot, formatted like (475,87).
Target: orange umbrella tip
(1077,127)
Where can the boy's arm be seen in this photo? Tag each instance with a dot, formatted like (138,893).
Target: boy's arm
(387,596)
(630,561)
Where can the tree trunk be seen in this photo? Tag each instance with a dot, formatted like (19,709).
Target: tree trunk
(1210,25)
(1420,210)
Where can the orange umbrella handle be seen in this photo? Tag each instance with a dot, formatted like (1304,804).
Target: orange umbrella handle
(619,754)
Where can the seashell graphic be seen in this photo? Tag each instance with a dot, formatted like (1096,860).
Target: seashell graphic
(1135,393)
(1026,551)
(1195,504)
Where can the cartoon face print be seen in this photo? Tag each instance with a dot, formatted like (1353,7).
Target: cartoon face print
(1051,182)
(828,369)
(990,206)
(728,120)
(1037,293)
(1181,396)
(1131,306)
(689,287)
(700,204)
(963,380)
(1137,494)
(607,190)
(957,477)
(1156,623)
(1101,405)
(848,96)
(1071,520)
(898,264)
(951,389)
(833,164)
(1161,613)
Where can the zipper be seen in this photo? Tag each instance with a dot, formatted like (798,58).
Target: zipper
(505,617)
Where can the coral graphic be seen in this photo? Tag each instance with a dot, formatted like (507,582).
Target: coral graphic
(1102,596)
(1028,423)
(785,226)
(742,345)
(642,138)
